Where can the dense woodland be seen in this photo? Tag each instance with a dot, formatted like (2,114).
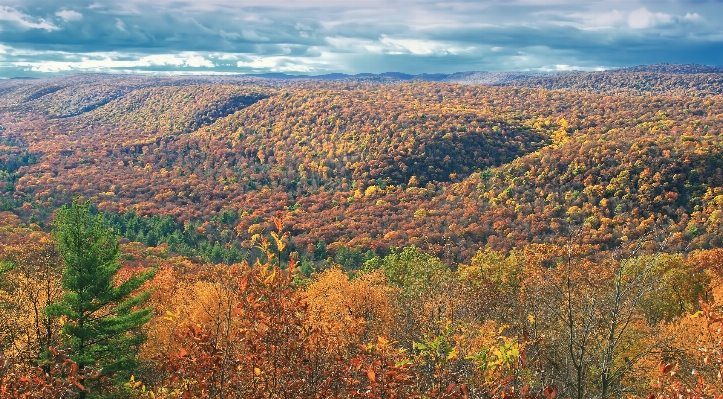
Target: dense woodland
(550,236)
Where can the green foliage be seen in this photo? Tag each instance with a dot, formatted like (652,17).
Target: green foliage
(10,162)
(678,285)
(411,269)
(320,251)
(102,316)
(349,258)
(218,244)
(437,350)
(504,272)
(307,268)
(5,266)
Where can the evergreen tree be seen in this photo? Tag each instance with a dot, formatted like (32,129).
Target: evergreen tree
(102,318)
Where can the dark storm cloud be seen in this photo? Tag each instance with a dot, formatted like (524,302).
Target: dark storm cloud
(39,37)
(157,30)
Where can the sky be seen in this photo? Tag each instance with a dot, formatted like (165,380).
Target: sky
(49,37)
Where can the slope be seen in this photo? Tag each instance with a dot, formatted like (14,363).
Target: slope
(173,109)
(449,168)
(636,81)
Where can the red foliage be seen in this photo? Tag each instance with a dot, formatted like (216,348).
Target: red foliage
(55,379)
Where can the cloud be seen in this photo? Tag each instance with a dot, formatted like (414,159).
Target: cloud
(120,25)
(198,61)
(322,36)
(250,35)
(69,15)
(275,64)
(642,18)
(106,62)
(24,21)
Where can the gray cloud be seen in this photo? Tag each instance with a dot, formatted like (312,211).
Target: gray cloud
(39,38)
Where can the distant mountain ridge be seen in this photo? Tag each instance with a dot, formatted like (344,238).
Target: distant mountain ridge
(471,77)
(658,79)
(72,95)
(493,78)
(655,79)
(678,69)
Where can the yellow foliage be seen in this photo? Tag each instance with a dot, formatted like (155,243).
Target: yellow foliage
(371,190)
(340,302)
(32,283)
(420,213)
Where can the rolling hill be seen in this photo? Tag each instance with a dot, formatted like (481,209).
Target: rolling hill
(366,166)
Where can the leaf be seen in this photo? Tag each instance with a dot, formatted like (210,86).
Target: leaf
(170,316)
(451,387)
(465,390)
(73,369)
(371,375)
(665,368)
(270,277)
(696,314)
(549,392)
(278,221)
(257,371)
(356,364)
(79,385)
(279,241)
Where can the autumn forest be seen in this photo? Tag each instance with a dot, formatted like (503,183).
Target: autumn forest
(546,236)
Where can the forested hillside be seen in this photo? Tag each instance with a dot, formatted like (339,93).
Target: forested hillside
(655,80)
(419,237)
(448,168)
(76,94)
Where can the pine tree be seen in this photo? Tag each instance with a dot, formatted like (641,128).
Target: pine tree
(102,318)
